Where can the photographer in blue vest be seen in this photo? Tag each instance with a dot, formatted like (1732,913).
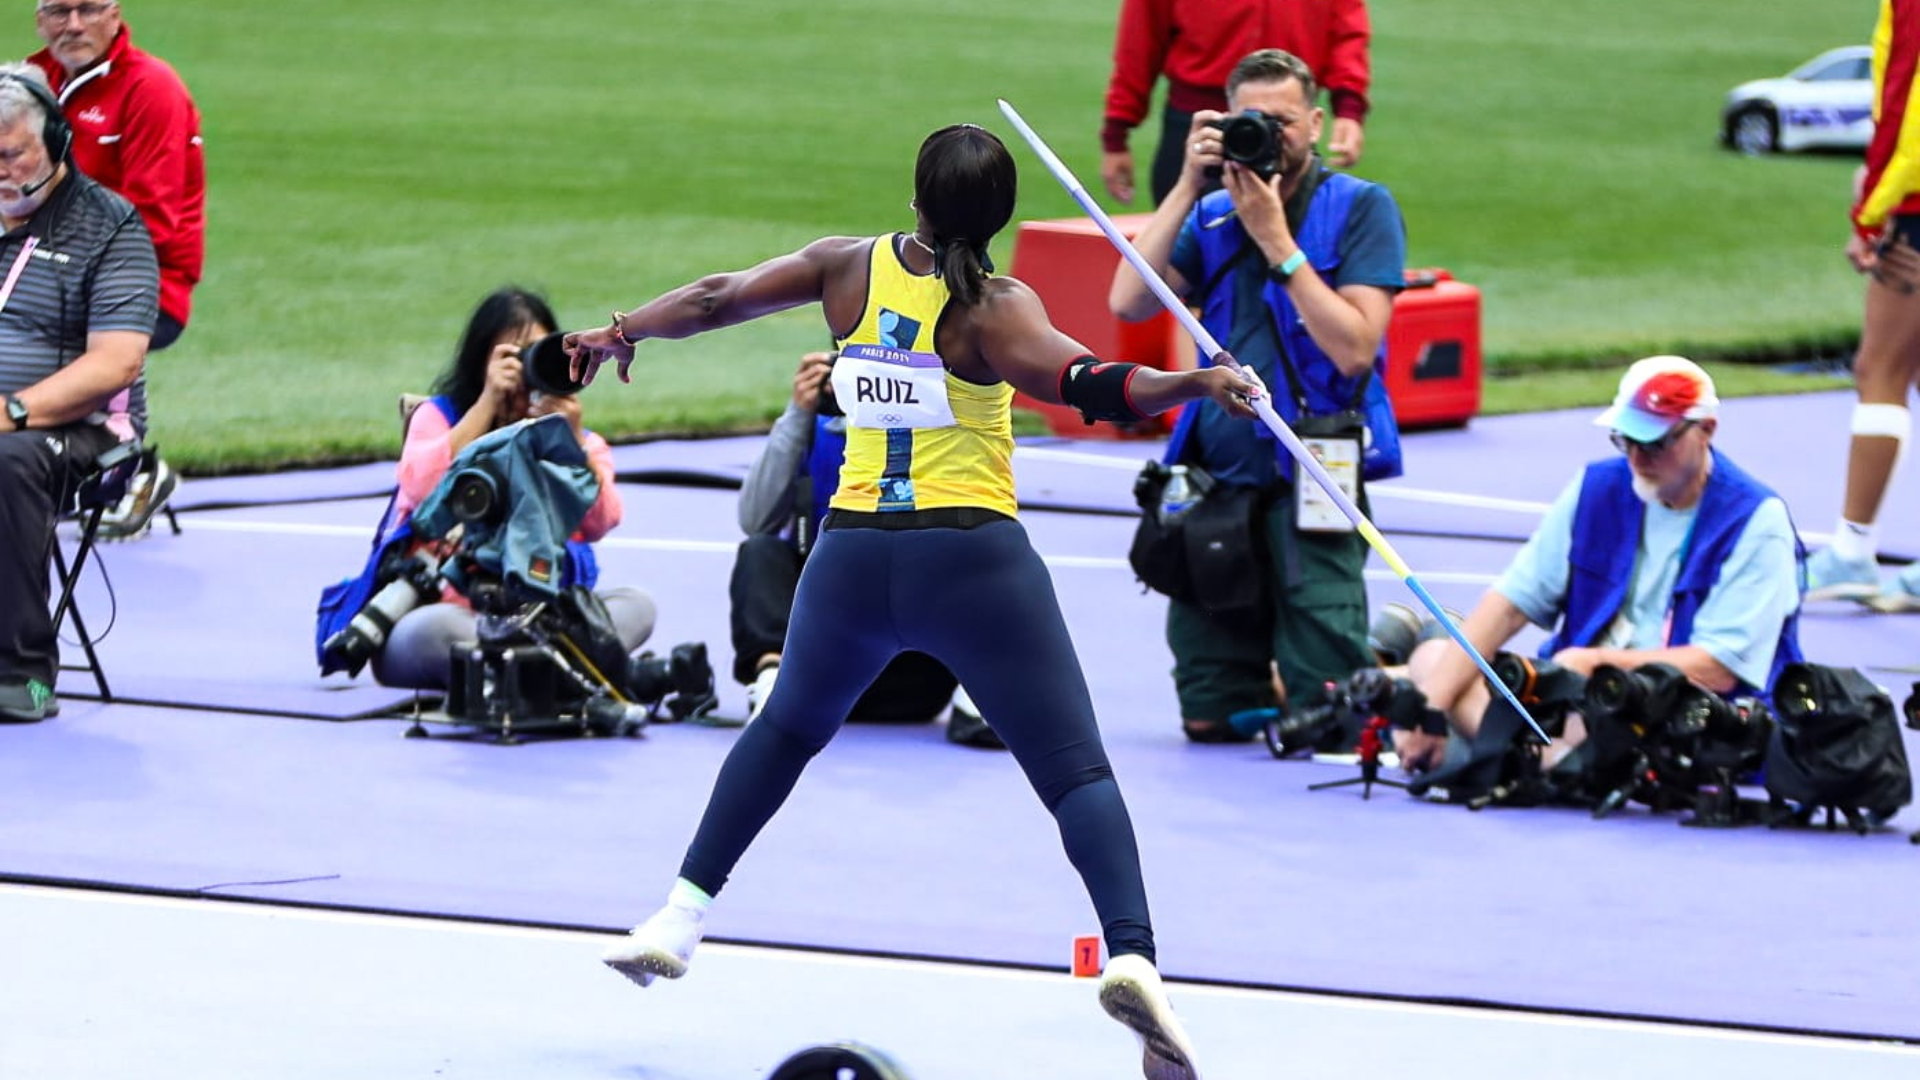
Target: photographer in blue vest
(1294,268)
(1666,552)
(782,503)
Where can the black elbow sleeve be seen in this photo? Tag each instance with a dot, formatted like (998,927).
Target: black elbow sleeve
(1098,388)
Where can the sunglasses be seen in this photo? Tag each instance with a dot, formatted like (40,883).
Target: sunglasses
(1655,448)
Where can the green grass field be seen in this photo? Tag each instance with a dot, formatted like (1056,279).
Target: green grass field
(376,167)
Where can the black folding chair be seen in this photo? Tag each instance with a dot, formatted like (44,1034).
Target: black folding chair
(105,485)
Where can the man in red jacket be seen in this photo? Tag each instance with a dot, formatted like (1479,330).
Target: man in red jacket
(1195,43)
(137,132)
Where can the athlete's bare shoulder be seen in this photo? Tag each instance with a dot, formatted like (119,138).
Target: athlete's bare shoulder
(835,251)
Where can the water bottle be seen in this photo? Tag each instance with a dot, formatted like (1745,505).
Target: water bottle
(1177,497)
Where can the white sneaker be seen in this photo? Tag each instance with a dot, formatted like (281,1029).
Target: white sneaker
(1131,992)
(760,689)
(1830,577)
(661,947)
(1903,594)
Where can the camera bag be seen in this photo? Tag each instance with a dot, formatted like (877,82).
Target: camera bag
(1211,555)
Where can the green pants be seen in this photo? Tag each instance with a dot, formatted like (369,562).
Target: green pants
(1313,624)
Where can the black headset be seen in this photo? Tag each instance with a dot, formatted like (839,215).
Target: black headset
(56,133)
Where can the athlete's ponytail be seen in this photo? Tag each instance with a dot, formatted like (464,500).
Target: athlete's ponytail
(964,184)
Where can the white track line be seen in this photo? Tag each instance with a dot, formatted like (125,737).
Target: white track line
(841,960)
(1405,494)
(723,547)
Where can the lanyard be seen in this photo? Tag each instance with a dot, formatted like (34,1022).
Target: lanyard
(19,267)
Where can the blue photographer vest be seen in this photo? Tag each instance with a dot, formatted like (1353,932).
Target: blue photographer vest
(1606,539)
(1326,390)
(819,474)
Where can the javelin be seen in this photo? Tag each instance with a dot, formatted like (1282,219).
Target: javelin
(1262,405)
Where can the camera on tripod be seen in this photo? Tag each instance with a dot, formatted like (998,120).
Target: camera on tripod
(1336,723)
(1250,138)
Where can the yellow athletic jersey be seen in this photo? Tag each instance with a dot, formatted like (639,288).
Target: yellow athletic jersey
(891,469)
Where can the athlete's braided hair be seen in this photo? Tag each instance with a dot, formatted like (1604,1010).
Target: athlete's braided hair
(964,183)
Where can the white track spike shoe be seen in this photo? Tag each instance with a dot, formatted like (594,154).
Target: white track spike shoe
(1131,992)
(661,947)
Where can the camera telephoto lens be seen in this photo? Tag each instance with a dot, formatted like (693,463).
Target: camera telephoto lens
(1611,692)
(475,496)
(1795,696)
(547,368)
(1315,729)
(1249,138)
(1643,695)
(1700,713)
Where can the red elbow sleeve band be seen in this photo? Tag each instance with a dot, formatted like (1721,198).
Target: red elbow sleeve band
(1100,389)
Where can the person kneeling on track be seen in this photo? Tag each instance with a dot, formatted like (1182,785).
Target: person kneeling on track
(782,503)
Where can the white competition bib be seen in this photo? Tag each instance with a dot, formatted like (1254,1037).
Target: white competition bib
(878,387)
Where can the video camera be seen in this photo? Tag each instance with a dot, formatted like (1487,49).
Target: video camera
(1336,723)
(1250,138)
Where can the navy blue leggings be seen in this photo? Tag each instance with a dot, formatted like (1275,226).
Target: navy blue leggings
(979,600)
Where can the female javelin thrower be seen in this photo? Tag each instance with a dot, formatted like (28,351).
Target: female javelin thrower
(931,351)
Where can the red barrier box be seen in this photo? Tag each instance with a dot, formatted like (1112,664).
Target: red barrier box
(1069,262)
(1433,351)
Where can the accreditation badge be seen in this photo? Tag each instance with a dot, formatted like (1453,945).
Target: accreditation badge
(1313,509)
(879,387)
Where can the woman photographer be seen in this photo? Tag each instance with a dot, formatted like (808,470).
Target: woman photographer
(483,389)
(920,548)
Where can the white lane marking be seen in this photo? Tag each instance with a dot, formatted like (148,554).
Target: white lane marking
(727,547)
(256,910)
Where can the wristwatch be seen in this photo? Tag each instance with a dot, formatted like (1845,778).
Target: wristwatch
(1281,273)
(17,412)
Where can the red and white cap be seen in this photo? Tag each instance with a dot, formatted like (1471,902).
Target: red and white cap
(1657,393)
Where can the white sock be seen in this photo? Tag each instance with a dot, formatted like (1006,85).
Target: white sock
(1855,542)
(689,897)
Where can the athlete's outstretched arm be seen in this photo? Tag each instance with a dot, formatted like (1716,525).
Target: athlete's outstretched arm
(714,301)
(1023,347)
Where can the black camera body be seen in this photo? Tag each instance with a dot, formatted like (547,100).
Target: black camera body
(1250,138)
(1336,723)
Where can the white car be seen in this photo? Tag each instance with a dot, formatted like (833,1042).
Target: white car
(1825,103)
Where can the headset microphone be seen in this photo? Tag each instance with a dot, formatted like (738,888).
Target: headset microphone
(28,191)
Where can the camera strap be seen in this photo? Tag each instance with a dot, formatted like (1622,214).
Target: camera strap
(19,267)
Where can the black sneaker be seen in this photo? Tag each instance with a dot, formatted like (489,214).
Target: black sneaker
(27,702)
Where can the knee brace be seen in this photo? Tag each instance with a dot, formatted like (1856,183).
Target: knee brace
(1882,421)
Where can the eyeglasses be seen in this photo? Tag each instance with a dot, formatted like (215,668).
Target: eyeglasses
(1655,448)
(60,13)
